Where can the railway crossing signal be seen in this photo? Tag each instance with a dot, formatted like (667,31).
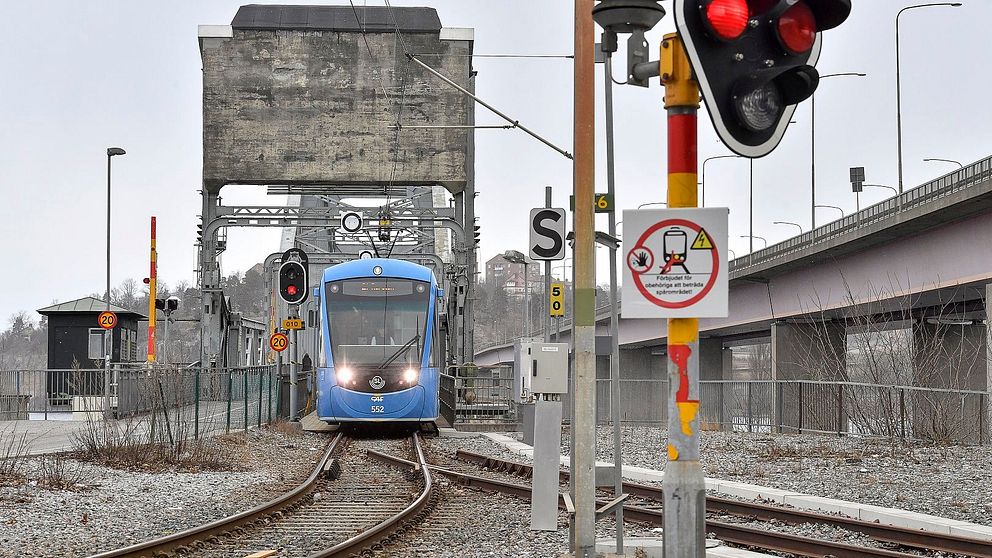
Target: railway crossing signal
(754,61)
(293,282)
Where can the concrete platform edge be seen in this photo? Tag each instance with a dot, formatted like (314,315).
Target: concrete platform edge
(865,512)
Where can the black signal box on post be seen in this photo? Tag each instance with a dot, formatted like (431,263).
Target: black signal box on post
(754,60)
(293,280)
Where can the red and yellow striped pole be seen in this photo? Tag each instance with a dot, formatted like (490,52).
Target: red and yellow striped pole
(152,293)
(685,496)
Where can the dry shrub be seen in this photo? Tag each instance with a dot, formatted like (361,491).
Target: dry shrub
(56,472)
(13,454)
(127,444)
(709,426)
(285,428)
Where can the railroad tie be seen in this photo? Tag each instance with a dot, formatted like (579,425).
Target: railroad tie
(263,554)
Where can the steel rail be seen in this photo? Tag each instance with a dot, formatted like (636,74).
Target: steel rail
(165,545)
(383,530)
(729,532)
(942,542)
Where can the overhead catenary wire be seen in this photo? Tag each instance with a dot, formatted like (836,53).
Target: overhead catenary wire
(493,109)
(442,77)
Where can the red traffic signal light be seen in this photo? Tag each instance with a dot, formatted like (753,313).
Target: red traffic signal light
(754,61)
(727,19)
(797,29)
(293,282)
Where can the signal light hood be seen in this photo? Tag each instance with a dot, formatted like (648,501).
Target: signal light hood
(829,13)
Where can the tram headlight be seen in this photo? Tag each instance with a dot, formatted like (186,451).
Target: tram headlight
(410,375)
(345,375)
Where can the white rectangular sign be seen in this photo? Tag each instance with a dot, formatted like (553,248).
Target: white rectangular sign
(675,263)
(547,234)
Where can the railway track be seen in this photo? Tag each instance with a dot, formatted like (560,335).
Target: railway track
(648,511)
(326,516)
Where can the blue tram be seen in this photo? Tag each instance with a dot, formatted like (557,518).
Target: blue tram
(380,342)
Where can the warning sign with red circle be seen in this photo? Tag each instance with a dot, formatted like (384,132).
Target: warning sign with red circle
(278,342)
(676,263)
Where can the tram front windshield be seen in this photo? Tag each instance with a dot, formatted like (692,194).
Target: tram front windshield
(377,322)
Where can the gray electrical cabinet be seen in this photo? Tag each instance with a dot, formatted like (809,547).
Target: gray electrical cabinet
(549,368)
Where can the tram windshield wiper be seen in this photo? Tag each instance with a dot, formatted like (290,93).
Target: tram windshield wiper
(406,346)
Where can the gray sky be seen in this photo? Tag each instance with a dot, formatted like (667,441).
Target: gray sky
(81,76)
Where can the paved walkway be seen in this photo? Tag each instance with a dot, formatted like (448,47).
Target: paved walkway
(57,433)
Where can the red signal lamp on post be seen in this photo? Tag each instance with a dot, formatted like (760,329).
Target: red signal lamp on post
(754,61)
(727,19)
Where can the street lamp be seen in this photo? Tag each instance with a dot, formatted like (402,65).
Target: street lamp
(857,193)
(513,256)
(797,225)
(832,207)
(899,78)
(108,341)
(752,237)
(812,143)
(952,161)
(702,183)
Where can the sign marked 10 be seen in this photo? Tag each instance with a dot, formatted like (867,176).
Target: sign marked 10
(676,263)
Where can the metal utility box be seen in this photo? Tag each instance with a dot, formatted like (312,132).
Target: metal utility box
(521,370)
(539,368)
(549,368)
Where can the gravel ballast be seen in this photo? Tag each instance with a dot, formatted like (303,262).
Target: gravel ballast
(954,482)
(109,508)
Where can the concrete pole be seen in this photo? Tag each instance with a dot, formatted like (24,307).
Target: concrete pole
(546,319)
(685,495)
(614,307)
(294,369)
(526,298)
(584,412)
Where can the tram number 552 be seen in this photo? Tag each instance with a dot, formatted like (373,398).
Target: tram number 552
(377,409)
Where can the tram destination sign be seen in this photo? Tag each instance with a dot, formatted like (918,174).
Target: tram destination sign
(675,263)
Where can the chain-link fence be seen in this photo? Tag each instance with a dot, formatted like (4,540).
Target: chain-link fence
(801,406)
(173,400)
(479,397)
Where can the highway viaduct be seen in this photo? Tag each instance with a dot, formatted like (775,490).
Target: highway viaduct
(920,263)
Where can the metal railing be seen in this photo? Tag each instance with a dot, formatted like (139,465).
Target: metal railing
(806,406)
(204,400)
(479,397)
(950,183)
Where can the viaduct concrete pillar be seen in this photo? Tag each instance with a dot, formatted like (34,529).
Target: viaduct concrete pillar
(808,351)
(713,359)
(950,356)
(715,363)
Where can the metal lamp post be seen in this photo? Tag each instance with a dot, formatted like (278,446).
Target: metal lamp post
(899,77)
(797,225)
(752,237)
(951,161)
(702,178)
(516,257)
(832,207)
(108,341)
(812,143)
